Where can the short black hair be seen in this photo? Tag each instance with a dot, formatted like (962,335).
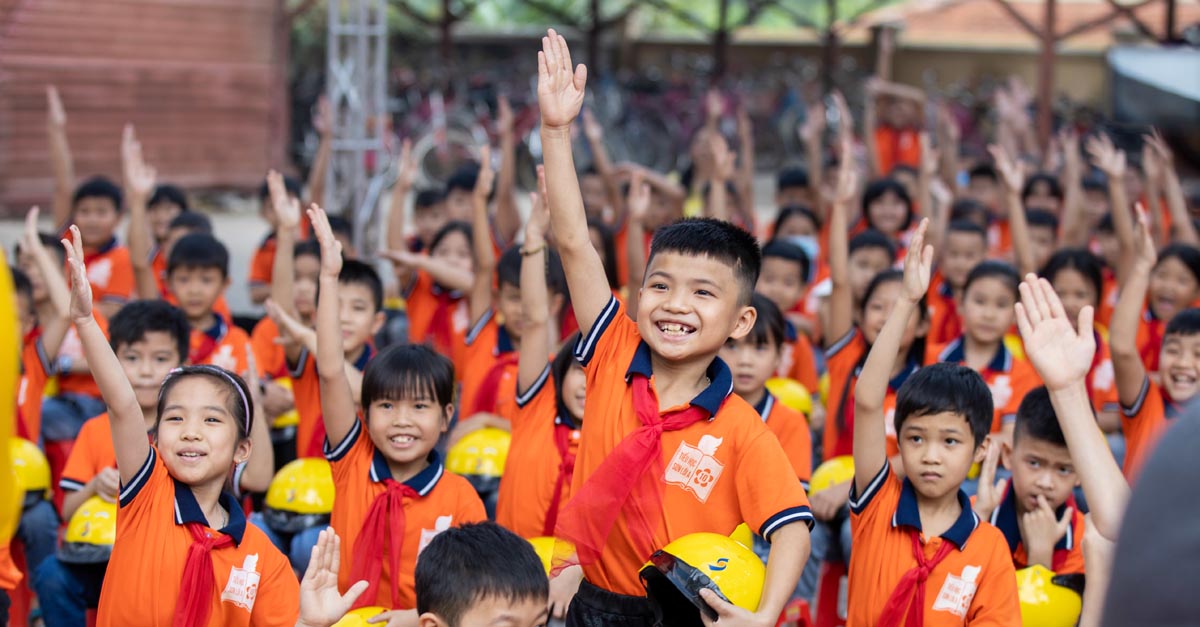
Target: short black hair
(944,387)
(463,178)
(782,249)
(131,324)
(199,250)
(791,177)
(992,269)
(562,363)
(355,272)
(193,221)
(50,243)
(790,211)
(769,327)
(1188,255)
(1105,225)
(1080,260)
(970,210)
(341,226)
(1046,178)
(876,189)
(241,403)
(608,242)
(718,240)
(169,193)
(1036,419)
(454,226)
(98,187)
(427,199)
(290,184)
(966,226)
(1040,218)
(310,247)
(871,238)
(508,270)
(983,170)
(408,371)
(1185,323)
(464,565)
(21,284)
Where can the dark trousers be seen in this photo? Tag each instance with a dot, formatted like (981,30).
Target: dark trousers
(595,607)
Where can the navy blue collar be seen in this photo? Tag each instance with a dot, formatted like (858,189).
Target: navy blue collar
(109,245)
(218,330)
(789,331)
(187,510)
(956,353)
(423,482)
(719,387)
(361,363)
(504,343)
(1005,519)
(564,419)
(895,382)
(765,405)
(908,515)
(438,290)
(944,288)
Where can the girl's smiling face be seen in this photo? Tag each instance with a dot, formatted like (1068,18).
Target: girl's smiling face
(199,438)
(988,310)
(1172,288)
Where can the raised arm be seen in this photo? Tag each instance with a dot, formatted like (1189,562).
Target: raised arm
(337,400)
(744,178)
(841,298)
(870,432)
(128,425)
(534,352)
(287,214)
(54,329)
(604,167)
(260,467)
(406,173)
(480,298)
(870,119)
(323,124)
(948,136)
(1182,227)
(1128,367)
(1074,227)
(722,172)
(937,212)
(1013,179)
(61,162)
(1112,162)
(139,185)
(560,97)
(508,218)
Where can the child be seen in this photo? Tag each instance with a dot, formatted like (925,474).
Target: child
(197,275)
(783,280)
(1147,406)
(792,188)
(1174,286)
(227,573)
(887,208)
(393,493)
(696,295)
(919,529)
(1035,509)
(435,285)
(987,314)
(963,247)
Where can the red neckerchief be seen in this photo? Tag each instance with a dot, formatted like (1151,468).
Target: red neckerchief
(566,468)
(488,392)
(384,525)
(196,591)
(624,482)
(441,328)
(911,589)
(208,344)
(1150,350)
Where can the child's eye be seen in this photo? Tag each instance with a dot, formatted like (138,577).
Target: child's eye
(421,405)
(915,439)
(1065,470)
(951,441)
(658,286)
(385,405)
(703,293)
(172,419)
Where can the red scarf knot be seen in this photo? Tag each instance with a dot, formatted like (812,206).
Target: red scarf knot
(384,525)
(196,589)
(910,591)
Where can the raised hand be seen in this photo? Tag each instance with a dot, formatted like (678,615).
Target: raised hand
(1060,354)
(539,218)
(845,119)
(31,240)
(1145,256)
(723,159)
(292,332)
(322,119)
(814,124)
(1010,171)
(1157,146)
(1110,160)
(81,289)
(560,84)
(406,166)
(487,176)
(990,492)
(139,176)
(591,127)
(55,114)
(286,208)
(847,181)
(918,265)
(331,249)
(638,201)
(321,605)
(714,105)
(1040,531)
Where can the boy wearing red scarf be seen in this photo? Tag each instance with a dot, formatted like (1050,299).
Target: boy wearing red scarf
(918,532)
(197,275)
(667,450)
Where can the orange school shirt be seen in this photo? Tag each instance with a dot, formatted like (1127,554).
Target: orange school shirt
(1102,379)
(1008,377)
(488,345)
(79,382)
(1143,424)
(306,396)
(798,362)
(1150,333)
(444,500)
(791,429)
(531,474)
(270,357)
(1068,552)
(36,370)
(263,262)
(620,243)
(945,324)
(975,584)
(220,344)
(999,237)
(110,271)
(253,582)
(93,452)
(896,146)
(429,304)
(717,473)
(844,362)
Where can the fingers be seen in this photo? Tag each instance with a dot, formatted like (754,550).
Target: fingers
(1065,520)
(1086,323)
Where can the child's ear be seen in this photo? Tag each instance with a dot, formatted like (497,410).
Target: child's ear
(429,619)
(242,451)
(449,415)
(377,324)
(1006,454)
(227,283)
(745,322)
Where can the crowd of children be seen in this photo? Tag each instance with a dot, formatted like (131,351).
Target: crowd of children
(634,362)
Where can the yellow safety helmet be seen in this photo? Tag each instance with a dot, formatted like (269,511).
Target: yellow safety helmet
(1049,600)
(480,453)
(90,534)
(832,472)
(289,418)
(358,618)
(33,470)
(674,575)
(823,388)
(547,546)
(791,393)
(300,496)
(743,536)
(10,509)
(1015,345)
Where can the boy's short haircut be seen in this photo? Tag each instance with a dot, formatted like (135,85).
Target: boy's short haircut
(199,250)
(791,177)
(169,193)
(50,243)
(310,247)
(1040,218)
(21,283)
(782,249)
(968,209)
(341,226)
(290,184)
(427,199)
(1185,323)
(408,371)
(1188,255)
(786,213)
(131,324)
(463,178)
(718,240)
(508,270)
(871,238)
(966,226)
(193,221)
(769,328)
(355,272)
(1048,179)
(1095,181)
(454,226)
(983,170)
(98,187)
(945,387)
(464,565)
(1036,419)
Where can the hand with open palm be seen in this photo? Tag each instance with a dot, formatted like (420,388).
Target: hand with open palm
(560,86)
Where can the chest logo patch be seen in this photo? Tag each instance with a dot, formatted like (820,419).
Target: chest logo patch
(242,588)
(427,535)
(100,272)
(957,592)
(695,468)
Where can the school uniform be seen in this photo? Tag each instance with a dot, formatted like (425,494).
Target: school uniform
(717,471)
(541,461)
(1150,333)
(999,237)
(110,272)
(262,264)
(219,343)
(1068,552)
(78,397)
(489,370)
(437,316)
(791,429)
(798,362)
(1143,423)
(1007,376)
(974,581)
(253,582)
(845,361)
(36,370)
(270,356)
(1102,379)
(306,397)
(435,500)
(896,146)
(945,323)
